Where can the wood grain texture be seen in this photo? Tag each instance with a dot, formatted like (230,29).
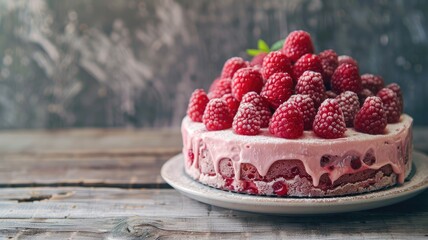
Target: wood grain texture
(91,142)
(165,214)
(107,171)
(86,157)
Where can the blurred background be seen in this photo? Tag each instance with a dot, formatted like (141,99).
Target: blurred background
(98,63)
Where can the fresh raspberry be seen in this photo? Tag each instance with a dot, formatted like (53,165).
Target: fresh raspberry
(329,63)
(258,59)
(371,118)
(369,158)
(280,188)
(349,103)
(287,121)
(363,95)
(197,103)
(325,181)
(247,120)
(261,105)
(311,83)
(372,82)
(191,157)
(250,187)
(232,65)
(214,84)
(306,105)
(222,87)
(232,103)
(390,105)
(275,62)
(343,59)
(330,94)
(396,88)
(355,162)
(329,121)
(246,80)
(216,115)
(278,88)
(346,78)
(297,44)
(308,62)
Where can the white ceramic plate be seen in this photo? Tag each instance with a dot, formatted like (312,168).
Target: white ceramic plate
(173,173)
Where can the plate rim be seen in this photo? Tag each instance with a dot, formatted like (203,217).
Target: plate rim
(321,204)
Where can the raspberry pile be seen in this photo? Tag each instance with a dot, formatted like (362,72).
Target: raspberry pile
(289,88)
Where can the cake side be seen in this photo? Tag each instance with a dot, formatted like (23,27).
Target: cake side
(308,166)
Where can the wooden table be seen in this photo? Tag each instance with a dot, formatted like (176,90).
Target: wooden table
(93,183)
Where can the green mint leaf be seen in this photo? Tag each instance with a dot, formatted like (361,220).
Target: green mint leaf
(254,52)
(278,45)
(262,45)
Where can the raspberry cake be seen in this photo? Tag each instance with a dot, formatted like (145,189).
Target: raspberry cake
(295,123)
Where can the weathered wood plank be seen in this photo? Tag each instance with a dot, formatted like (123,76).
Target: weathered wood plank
(115,171)
(165,214)
(91,142)
(86,157)
(138,228)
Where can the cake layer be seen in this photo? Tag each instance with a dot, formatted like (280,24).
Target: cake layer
(357,162)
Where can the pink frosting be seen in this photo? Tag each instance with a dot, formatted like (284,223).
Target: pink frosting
(264,149)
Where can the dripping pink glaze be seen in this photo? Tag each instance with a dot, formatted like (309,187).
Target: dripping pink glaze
(264,149)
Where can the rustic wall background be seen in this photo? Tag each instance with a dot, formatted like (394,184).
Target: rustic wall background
(96,63)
